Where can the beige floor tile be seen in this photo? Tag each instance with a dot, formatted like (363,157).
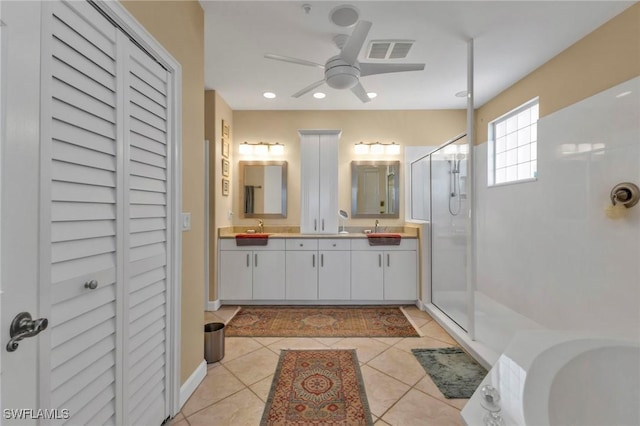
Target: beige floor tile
(399,365)
(380,422)
(329,341)
(243,408)
(382,391)
(409,343)
(266,341)
(235,347)
(226,312)
(433,329)
(427,386)
(253,367)
(217,385)
(389,340)
(262,388)
(179,420)
(296,343)
(366,348)
(417,408)
(418,317)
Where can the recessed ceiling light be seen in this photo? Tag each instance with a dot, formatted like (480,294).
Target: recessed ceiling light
(461,94)
(269,95)
(319,95)
(372,95)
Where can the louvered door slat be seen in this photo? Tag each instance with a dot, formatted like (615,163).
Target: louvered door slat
(83,171)
(146,239)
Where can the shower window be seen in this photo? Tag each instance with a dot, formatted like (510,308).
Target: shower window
(513,145)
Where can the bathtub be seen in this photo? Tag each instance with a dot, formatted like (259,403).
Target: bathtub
(558,378)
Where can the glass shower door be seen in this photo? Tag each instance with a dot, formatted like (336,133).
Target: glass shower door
(449,213)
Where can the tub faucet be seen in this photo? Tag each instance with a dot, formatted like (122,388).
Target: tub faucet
(260,226)
(377,225)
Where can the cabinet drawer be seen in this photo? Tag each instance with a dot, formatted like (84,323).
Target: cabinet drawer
(302,244)
(334,244)
(230,244)
(405,244)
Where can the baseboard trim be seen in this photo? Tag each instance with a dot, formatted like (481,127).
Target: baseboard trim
(191,384)
(214,305)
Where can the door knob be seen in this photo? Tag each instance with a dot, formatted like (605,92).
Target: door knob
(91,285)
(24,326)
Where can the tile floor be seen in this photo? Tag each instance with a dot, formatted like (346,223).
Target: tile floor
(398,389)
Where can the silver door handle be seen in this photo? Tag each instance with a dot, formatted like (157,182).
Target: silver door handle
(255,260)
(322,260)
(24,326)
(91,285)
(313,260)
(248,260)
(315,224)
(323,224)
(388,261)
(379,261)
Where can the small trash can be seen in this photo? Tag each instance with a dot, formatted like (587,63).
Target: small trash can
(213,342)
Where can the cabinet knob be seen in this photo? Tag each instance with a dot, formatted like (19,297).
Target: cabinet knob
(301,245)
(91,285)
(334,244)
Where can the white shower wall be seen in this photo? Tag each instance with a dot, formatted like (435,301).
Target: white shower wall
(546,249)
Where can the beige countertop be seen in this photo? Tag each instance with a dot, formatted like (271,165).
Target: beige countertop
(293,232)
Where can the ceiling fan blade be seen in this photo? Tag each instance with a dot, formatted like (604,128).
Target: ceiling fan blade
(359,91)
(371,69)
(354,44)
(308,89)
(293,60)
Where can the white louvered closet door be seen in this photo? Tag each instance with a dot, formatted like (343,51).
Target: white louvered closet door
(84,213)
(146,254)
(108,345)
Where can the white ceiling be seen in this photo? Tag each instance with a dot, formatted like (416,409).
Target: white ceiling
(511,38)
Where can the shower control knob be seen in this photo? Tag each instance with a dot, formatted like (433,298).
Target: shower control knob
(490,398)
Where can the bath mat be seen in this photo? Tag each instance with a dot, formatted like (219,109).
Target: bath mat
(317,387)
(456,374)
(287,321)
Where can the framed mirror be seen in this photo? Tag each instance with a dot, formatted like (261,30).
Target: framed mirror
(375,189)
(263,189)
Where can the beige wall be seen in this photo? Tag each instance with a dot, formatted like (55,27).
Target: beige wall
(216,110)
(179,27)
(604,58)
(407,128)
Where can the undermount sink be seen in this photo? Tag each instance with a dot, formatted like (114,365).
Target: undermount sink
(384,239)
(252,239)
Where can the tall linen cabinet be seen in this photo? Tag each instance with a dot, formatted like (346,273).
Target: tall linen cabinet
(319,181)
(109,202)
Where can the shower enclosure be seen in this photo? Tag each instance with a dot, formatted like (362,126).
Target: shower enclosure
(443,202)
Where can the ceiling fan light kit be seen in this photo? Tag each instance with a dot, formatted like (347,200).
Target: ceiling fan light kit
(344,15)
(343,71)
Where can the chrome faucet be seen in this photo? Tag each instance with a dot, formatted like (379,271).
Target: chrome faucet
(260,226)
(375,228)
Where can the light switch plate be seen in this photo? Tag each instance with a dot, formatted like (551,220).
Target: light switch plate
(186,221)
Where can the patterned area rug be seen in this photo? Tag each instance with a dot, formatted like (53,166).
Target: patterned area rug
(332,321)
(319,387)
(456,374)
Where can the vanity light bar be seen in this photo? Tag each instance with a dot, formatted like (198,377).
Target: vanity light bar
(377,148)
(261,148)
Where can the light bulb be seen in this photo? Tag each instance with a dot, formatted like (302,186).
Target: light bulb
(362,148)
(277,149)
(245,149)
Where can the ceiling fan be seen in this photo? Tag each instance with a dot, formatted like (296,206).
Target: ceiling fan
(343,71)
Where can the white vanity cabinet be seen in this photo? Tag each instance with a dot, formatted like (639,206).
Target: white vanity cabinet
(302,269)
(318,269)
(319,181)
(334,274)
(253,272)
(384,272)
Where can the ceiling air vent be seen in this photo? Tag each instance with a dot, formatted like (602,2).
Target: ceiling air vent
(389,49)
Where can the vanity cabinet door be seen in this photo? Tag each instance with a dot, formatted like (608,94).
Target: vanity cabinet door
(367,275)
(400,275)
(334,275)
(268,275)
(236,275)
(302,275)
